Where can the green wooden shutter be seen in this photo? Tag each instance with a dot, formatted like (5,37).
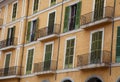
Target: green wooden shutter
(78,13)
(14,11)
(29,61)
(7,61)
(13,32)
(118,45)
(69,53)
(8,33)
(28,32)
(36,29)
(35,8)
(53,2)
(66,19)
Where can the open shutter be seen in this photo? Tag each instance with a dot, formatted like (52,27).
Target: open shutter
(8,33)
(66,19)
(78,13)
(36,29)
(28,32)
(118,45)
(13,32)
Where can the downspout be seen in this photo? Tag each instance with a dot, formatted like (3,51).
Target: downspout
(25,24)
(112,37)
(58,53)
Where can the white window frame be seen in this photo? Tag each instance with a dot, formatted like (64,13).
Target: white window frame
(33,6)
(27,58)
(50,3)
(102,45)
(12,9)
(49,15)
(31,26)
(74,37)
(5,59)
(52,42)
(94,8)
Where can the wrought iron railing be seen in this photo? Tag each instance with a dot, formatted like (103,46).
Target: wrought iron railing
(94,58)
(46,31)
(93,16)
(45,66)
(10,71)
(8,42)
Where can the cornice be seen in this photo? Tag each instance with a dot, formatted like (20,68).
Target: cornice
(5,2)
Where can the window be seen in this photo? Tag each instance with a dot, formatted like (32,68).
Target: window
(14,11)
(69,53)
(96,47)
(35,8)
(10,36)
(72,17)
(118,45)
(7,63)
(48,54)
(98,10)
(51,23)
(53,2)
(32,30)
(29,61)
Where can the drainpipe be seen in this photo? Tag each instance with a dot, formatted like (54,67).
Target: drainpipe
(112,37)
(58,53)
(25,24)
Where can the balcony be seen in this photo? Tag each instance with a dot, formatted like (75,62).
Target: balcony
(1,22)
(46,67)
(48,33)
(96,18)
(9,43)
(10,72)
(94,60)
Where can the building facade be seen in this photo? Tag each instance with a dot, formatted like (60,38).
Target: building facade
(59,41)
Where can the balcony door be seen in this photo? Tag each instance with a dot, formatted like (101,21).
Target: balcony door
(7,63)
(51,23)
(73,11)
(96,47)
(98,9)
(47,59)
(10,36)
(33,30)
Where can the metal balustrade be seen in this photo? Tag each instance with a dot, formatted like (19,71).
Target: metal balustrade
(46,31)
(96,15)
(8,42)
(102,57)
(45,66)
(10,71)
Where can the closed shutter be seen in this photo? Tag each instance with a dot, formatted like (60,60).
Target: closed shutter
(29,61)
(14,11)
(7,62)
(48,54)
(69,53)
(36,2)
(28,32)
(78,13)
(66,19)
(118,45)
(53,2)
